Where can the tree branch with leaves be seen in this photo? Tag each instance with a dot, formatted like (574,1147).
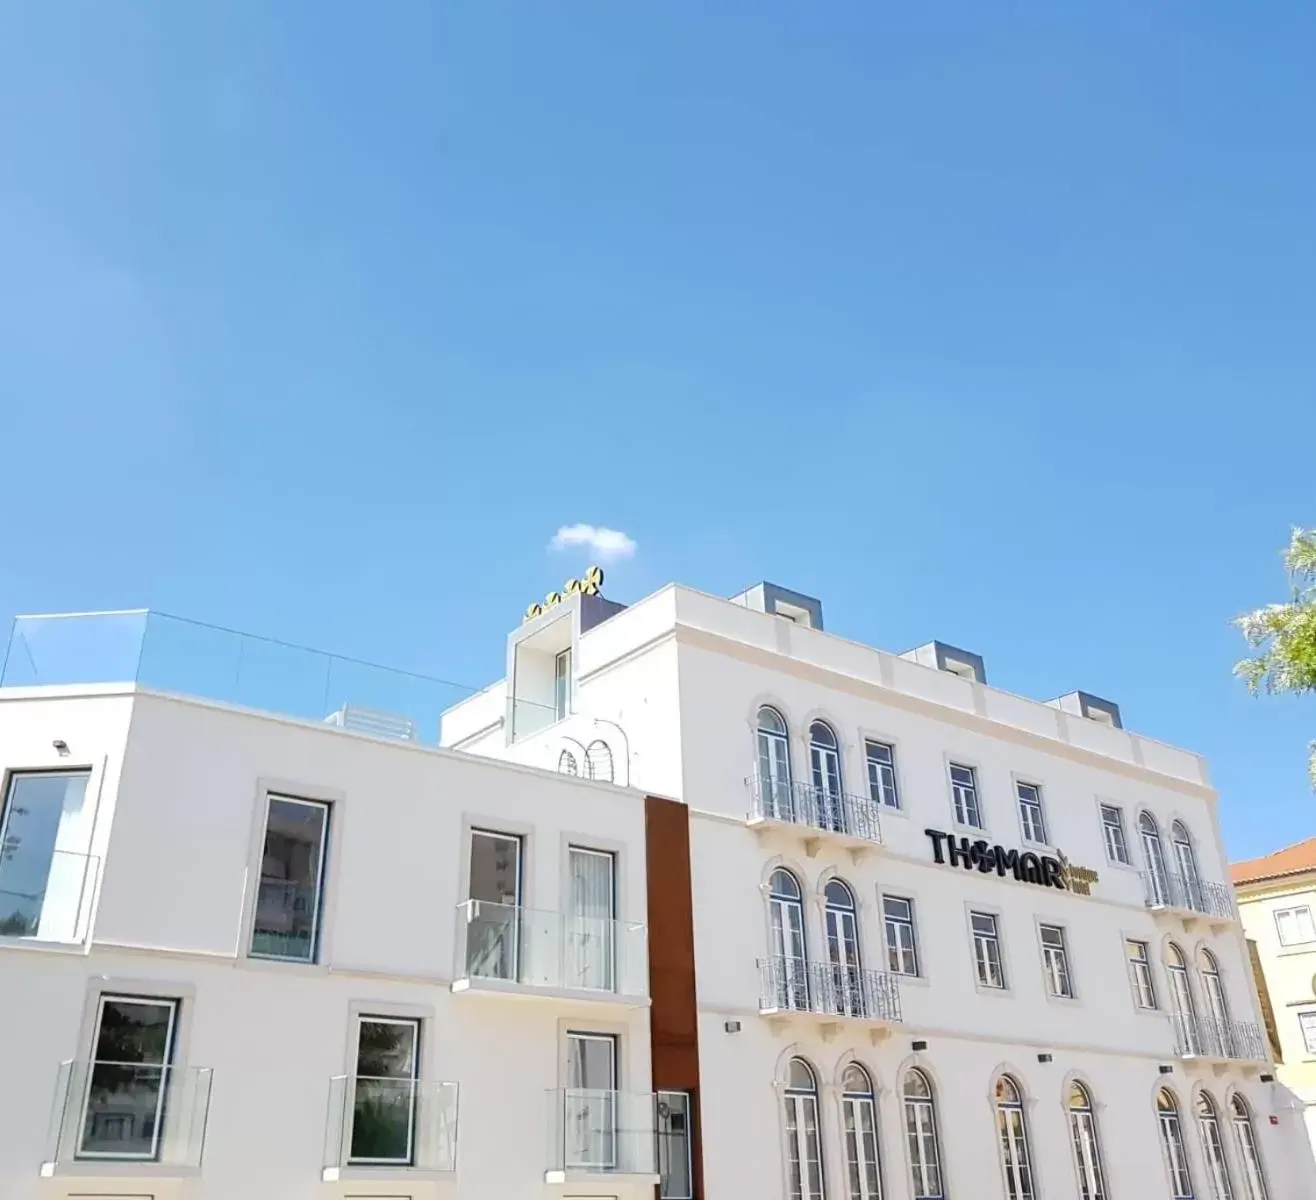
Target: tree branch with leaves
(1285,634)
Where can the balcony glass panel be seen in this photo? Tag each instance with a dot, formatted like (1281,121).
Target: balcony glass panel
(595,1132)
(383,1122)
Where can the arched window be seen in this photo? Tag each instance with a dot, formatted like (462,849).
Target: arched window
(598,760)
(844,976)
(1156,879)
(1185,862)
(566,763)
(921,1136)
(774,766)
(859,1127)
(1012,1130)
(1254,1176)
(1183,1011)
(788,984)
(1176,1156)
(825,770)
(1220,1029)
(804,1169)
(1213,1148)
(1087,1149)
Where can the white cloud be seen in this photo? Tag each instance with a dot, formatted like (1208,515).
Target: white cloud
(607,544)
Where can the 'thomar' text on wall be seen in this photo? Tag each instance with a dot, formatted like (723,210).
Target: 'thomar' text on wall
(1025,866)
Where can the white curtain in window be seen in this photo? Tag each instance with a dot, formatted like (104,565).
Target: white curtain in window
(590,949)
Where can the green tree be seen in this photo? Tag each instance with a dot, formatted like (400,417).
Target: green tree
(1285,634)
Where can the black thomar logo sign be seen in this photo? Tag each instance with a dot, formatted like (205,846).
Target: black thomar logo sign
(1026,867)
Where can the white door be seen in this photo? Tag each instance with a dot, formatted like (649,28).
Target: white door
(775,776)
(590,934)
(860,1122)
(843,956)
(826,768)
(787,920)
(803,1149)
(590,1102)
(1154,852)
(493,913)
(1186,861)
(1181,996)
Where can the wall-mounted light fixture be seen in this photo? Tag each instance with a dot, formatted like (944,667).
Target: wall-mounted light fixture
(1267,1078)
(1043,1058)
(61,747)
(731,1026)
(920,1045)
(1165,1070)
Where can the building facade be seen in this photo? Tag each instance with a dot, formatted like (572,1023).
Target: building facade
(1277,904)
(947,941)
(244,956)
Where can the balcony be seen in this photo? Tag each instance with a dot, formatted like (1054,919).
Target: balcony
(1187,897)
(46,896)
(506,949)
(815,815)
(830,996)
(119,1118)
(1205,1039)
(597,1136)
(384,1128)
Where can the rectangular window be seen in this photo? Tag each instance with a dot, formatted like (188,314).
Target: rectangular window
(1307,1023)
(901,944)
(43,865)
(1030,812)
(987,950)
(562,684)
(590,1102)
(1295,926)
(289,900)
(964,786)
(674,1167)
(1112,829)
(1055,958)
(1140,974)
(493,913)
(384,1091)
(128,1079)
(882,774)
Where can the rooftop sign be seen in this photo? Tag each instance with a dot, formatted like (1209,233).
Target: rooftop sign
(589,584)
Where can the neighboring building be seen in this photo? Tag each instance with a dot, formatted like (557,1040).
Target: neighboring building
(1277,903)
(248,957)
(947,941)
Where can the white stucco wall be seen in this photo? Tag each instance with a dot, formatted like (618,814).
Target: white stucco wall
(179,825)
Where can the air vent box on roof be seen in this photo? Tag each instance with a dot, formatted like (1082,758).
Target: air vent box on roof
(945,657)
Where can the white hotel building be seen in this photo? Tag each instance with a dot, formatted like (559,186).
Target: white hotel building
(750,910)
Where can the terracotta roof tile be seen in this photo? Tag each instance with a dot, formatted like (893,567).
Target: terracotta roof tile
(1292,860)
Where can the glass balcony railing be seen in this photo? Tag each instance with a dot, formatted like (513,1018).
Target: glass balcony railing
(814,808)
(601,1133)
(46,896)
(172,654)
(1186,893)
(538,949)
(789,985)
(376,1122)
(128,1112)
(1206,1037)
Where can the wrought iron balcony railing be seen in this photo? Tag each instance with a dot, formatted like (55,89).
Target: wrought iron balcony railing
(1206,1037)
(828,989)
(1162,889)
(813,807)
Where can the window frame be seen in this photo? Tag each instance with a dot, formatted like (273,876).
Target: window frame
(1214,1155)
(1295,909)
(912,924)
(880,799)
(1013,1143)
(853,1103)
(996,938)
(311,798)
(1119,825)
(919,1165)
(1307,1030)
(1178,1167)
(796,1104)
(1089,1163)
(1037,804)
(1253,1165)
(1066,963)
(374,1016)
(1146,962)
(975,790)
(666,1138)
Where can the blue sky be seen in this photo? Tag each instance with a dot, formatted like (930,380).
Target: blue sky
(991,323)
